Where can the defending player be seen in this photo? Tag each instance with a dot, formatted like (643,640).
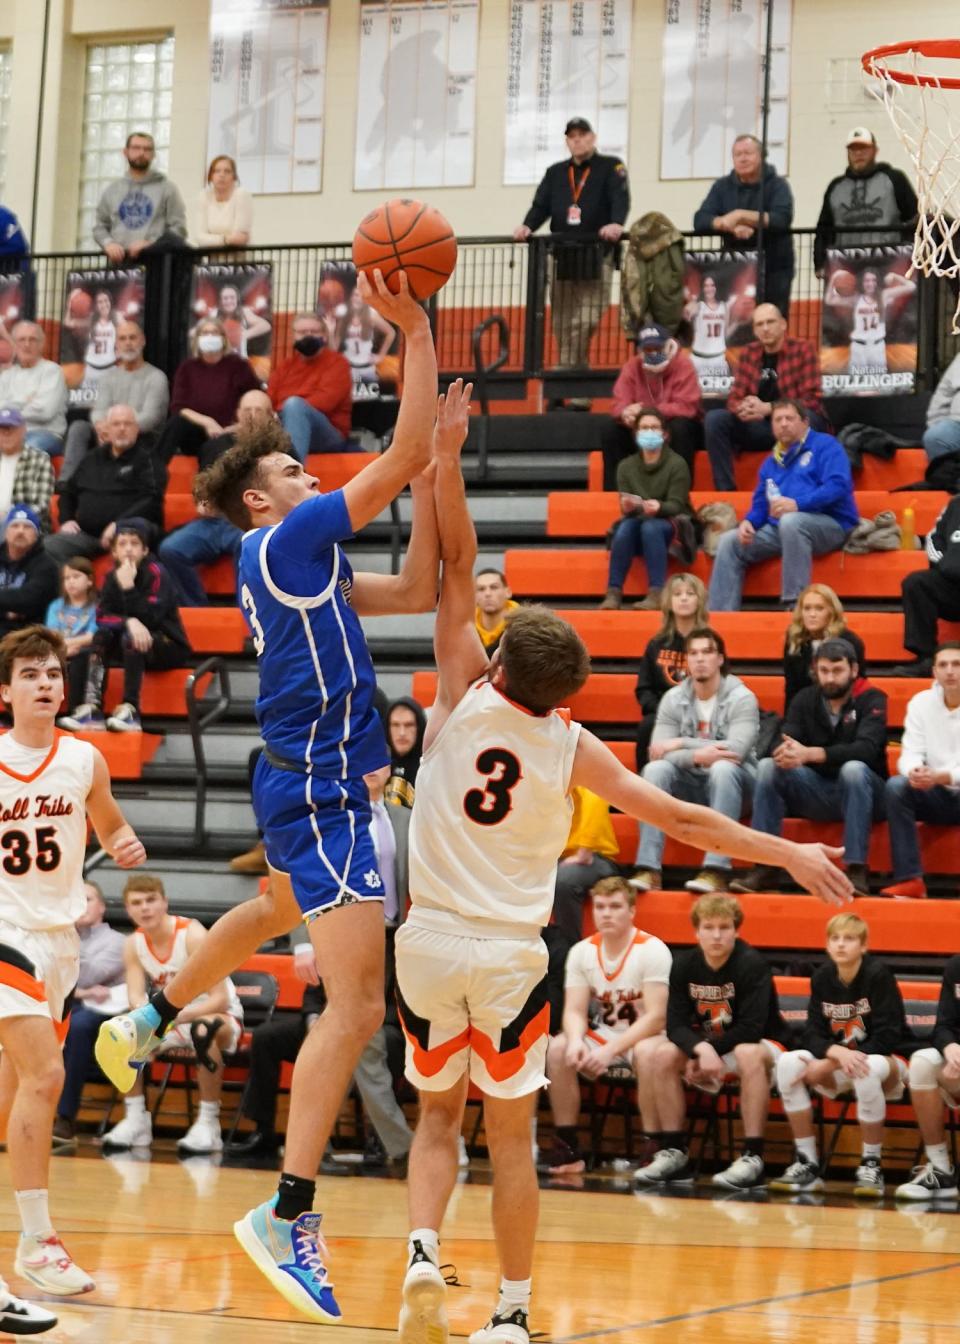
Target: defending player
(49,784)
(491,819)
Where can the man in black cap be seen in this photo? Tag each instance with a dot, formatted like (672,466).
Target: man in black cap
(583,196)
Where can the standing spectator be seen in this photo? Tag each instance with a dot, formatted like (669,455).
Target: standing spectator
(660,375)
(74,616)
(494,605)
(943,414)
(141,210)
(406,724)
(732,207)
(207,388)
(26,474)
(312,389)
(775,367)
(803,505)
(36,388)
(584,195)
(13,240)
(935,1079)
(929,595)
(817,616)
(869,203)
(28,577)
(654,486)
(664,662)
(224,209)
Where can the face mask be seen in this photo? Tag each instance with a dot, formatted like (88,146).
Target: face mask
(649,439)
(128,356)
(308,345)
(653,358)
(210,344)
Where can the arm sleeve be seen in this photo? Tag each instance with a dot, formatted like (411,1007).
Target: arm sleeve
(709,209)
(746,380)
(947,1029)
(759,510)
(658,963)
(48,400)
(243,214)
(622,394)
(834,484)
(680,1028)
(887,1026)
(779,208)
(110,607)
(68,499)
(308,532)
(905,196)
(539,211)
(201,234)
(152,479)
(154,602)
(333,388)
(752,1007)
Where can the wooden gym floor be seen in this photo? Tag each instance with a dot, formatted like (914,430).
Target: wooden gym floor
(612,1266)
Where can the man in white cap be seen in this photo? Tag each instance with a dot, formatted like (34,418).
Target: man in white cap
(29,579)
(870,203)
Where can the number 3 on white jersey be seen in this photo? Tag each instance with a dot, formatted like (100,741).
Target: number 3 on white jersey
(250,607)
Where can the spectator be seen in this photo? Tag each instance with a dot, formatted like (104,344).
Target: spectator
(869,203)
(929,595)
(406,725)
(207,388)
(926,786)
(775,367)
(943,414)
(703,751)
(131,382)
(723,1021)
(141,210)
(817,616)
(36,388)
(138,628)
(664,663)
(74,616)
(803,505)
(654,486)
(224,209)
(614,1013)
(935,1078)
(830,765)
(582,196)
(494,604)
(26,474)
(590,854)
(253,861)
(13,240)
(118,479)
(100,992)
(28,577)
(313,391)
(855,1029)
(732,208)
(662,376)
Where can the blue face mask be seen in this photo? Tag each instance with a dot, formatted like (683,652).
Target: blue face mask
(649,439)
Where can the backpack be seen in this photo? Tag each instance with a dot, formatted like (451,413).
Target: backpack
(651,283)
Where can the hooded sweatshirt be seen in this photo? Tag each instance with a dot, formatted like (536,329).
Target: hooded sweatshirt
(403,769)
(735,721)
(672,388)
(880,205)
(729,193)
(815,473)
(27,587)
(139,210)
(153,599)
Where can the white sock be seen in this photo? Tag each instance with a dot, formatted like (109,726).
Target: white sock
(210,1110)
(429,1241)
(807,1148)
(135,1106)
(873,1150)
(937,1154)
(34,1213)
(513,1293)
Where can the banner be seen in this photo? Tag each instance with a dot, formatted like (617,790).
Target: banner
(712,81)
(240,296)
(868,344)
(94,304)
(720,289)
(358,332)
(565,58)
(268,62)
(11,310)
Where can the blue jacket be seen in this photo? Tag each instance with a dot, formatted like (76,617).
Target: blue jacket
(729,193)
(815,473)
(13,243)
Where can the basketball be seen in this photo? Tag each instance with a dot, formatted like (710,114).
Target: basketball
(81,304)
(410,236)
(845,283)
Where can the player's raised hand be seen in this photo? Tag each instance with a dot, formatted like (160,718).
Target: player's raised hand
(815,868)
(401,309)
(453,419)
(129,852)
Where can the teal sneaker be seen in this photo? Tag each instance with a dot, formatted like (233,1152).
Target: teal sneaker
(125,1043)
(291,1256)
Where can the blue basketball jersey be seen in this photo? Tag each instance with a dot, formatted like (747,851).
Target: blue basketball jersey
(317,684)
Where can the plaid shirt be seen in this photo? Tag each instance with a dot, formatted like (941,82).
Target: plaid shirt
(33,483)
(798,373)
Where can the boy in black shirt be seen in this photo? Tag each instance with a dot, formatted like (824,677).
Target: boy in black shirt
(723,1022)
(855,1025)
(935,1079)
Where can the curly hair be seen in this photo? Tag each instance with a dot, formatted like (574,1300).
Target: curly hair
(222,485)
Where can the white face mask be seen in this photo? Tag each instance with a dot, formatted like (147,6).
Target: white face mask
(210,343)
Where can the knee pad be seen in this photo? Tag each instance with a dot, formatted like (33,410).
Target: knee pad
(925,1067)
(794,1094)
(203,1031)
(871,1103)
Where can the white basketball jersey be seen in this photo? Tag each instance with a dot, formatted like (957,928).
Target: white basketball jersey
(493,811)
(616,989)
(868,324)
(710,330)
(102,346)
(43,831)
(161,970)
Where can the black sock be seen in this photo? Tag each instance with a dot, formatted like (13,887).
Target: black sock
(672,1139)
(568,1135)
(754,1146)
(295,1196)
(165,1010)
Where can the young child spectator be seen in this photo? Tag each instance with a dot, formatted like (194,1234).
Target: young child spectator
(935,1079)
(855,1026)
(664,663)
(818,615)
(74,615)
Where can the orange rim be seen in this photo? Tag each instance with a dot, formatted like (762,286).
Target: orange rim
(946,49)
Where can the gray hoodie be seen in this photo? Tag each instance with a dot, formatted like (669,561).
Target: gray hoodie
(133,210)
(735,722)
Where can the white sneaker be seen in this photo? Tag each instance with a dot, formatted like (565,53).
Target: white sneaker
(463,1157)
(746,1173)
(868,1182)
(45,1262)
(124,719)
(511,1329)
(423,1315)
(24,1318)
(203,1136)
(134,1131)
(929,1183)
(669,1166)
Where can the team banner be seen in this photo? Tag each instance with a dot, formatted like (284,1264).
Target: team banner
(565,58)
(868,344)
(239,296)
(12,300)
(268,62)
(720,291)
(713,66)
(357,331)
(94,305)
(416,100)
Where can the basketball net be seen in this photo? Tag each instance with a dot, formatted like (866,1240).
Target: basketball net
(925,112)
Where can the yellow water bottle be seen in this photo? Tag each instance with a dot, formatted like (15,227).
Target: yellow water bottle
(908,532)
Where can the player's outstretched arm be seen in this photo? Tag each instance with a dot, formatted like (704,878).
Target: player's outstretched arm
(415,587)
(114,832)
(813,866)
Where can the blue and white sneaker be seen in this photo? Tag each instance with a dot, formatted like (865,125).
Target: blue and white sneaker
(125,1043)
(84,719)
(291,1256)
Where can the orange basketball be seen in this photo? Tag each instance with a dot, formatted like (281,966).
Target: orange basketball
(845,283)
(81,304)
(410,236)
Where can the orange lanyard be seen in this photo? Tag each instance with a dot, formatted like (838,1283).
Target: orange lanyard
(577,191)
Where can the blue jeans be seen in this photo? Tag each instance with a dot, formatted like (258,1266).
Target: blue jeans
(797,537)
(726,435)
(635,536)
(855,797)
(309,429)
(78,1057)
(725,786)
(942,437)
(198,543)
(52,444)
(905,807)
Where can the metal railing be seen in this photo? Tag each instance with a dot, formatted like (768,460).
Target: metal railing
(201,713)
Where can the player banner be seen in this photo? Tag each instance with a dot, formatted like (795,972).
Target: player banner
(362,336)
(94,304)
(720,291)
(868,344)
(240,296)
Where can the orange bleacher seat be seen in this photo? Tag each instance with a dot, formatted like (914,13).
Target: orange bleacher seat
(220,578)
(164,693)
(906,467)
(214,629)
(178,509)
(125,753)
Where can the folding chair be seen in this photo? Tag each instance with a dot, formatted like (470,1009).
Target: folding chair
(258,991)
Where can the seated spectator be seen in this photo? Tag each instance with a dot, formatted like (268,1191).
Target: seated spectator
(131,382)
(13,240)
(74,616)
(931,595)
(206,392)
(943,414)
(100,992)
(935,1079)
(26,474)
(225,209)
(312,389)
(775,367)
(654,487)
(723,1023)
(926,786)
(406,724)
(28,577)
(120,478)
(138,629)
(494,604)
(614,1013)
(855,1028)
(803,505)
(589,855)
(36,388)
(141,211)
(664,662)
(818,615)
(830,765)
(703,751)
(660,375)
(211,1025)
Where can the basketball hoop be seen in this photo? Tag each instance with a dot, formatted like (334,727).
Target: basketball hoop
(915,81)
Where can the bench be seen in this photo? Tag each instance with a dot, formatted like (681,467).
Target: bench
(904,468)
